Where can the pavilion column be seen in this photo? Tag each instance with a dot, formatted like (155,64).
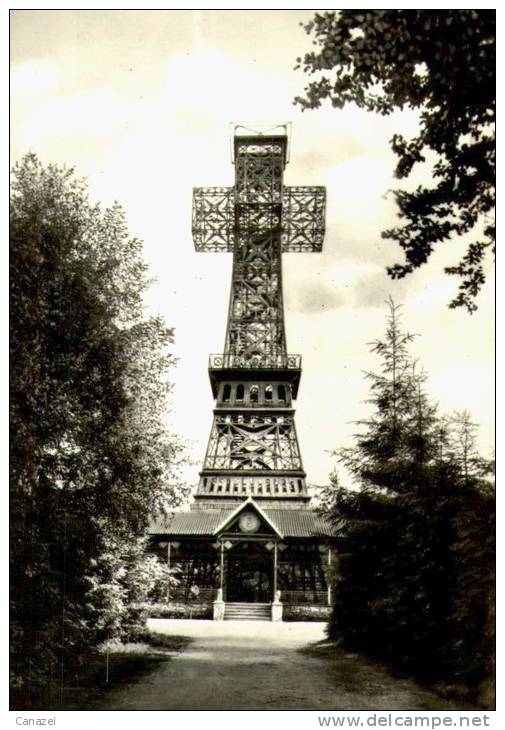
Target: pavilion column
(222,568)
(168,566)
(276,604)
(329,576)
(218,605)
(275,570)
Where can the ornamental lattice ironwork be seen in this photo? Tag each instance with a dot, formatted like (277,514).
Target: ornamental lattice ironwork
(258,442)
(231,360)
(257,220)
(302,221)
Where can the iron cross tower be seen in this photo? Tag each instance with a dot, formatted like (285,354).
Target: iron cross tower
(253,448)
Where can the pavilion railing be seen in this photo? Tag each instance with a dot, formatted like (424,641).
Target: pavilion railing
(289,598)
(203,595)
(301,598)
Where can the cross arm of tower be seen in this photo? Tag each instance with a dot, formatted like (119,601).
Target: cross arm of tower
(302,222)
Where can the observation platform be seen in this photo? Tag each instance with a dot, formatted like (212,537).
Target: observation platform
(229,366)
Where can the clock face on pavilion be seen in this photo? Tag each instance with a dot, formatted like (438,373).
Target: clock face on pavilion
(248,522)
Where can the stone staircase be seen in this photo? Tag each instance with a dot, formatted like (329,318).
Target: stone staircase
(247,612)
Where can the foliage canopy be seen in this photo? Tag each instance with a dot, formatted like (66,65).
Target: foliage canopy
(442,63)
(91,457)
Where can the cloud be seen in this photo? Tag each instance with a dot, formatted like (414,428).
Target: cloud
(317,297)
(374,289)
(33,79)
(205,82)
(315,283)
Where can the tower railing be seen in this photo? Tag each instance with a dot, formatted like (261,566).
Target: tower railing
(266,361)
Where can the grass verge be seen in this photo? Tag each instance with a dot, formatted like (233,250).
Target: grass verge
(351,668)
(85,686)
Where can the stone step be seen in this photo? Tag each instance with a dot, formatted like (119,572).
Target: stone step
(247,605)
(265,612)
(253,606)
(247,617)
(247,612)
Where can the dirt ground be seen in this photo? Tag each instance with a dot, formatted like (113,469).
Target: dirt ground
(252,665)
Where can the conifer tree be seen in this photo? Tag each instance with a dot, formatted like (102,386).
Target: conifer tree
(409,553)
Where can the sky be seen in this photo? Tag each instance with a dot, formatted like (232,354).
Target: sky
(140,103)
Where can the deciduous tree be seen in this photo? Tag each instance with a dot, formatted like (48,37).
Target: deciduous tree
(442,63)
(92,458)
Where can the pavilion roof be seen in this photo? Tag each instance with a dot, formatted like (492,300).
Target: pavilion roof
(206,523)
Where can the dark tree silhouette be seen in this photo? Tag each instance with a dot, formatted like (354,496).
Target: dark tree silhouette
(416,572)
(441,62)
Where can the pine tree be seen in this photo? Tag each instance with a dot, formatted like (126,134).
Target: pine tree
(402,589)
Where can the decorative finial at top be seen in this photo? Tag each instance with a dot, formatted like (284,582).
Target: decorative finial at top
(260,129)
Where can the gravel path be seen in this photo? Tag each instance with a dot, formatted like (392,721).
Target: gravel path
(252,665)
